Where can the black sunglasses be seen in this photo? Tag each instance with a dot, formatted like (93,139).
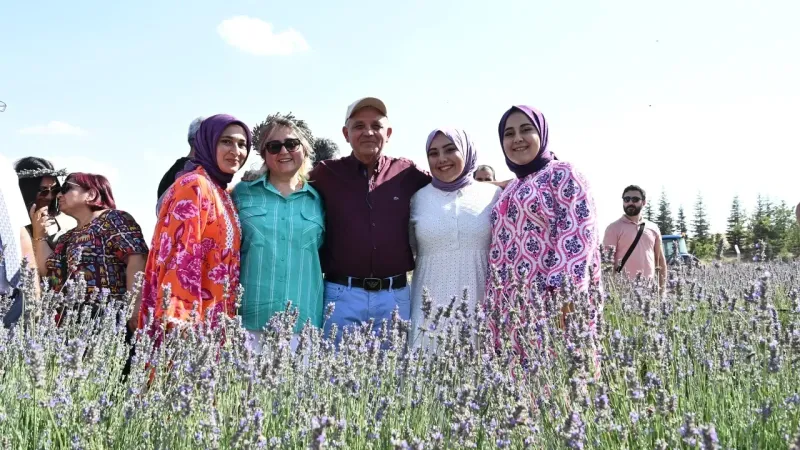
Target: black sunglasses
(629,199)
(44,192)
(66,187)
(274,147)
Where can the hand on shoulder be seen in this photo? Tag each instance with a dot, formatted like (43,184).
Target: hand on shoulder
(501,184)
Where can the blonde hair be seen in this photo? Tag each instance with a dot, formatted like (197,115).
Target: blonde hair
(303,135)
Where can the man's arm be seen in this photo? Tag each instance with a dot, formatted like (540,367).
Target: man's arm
(661,264)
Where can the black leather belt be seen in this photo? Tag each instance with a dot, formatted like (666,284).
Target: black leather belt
(370,284)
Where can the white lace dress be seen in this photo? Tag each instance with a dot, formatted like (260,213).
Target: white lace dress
(450,236)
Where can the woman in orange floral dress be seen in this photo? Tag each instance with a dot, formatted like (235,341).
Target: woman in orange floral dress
(195,247)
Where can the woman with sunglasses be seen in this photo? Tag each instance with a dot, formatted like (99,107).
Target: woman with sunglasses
(107,246)
(39,184)
(197,238)
(282,230)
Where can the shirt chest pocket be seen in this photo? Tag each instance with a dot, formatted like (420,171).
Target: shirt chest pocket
(312,224)
(258,224)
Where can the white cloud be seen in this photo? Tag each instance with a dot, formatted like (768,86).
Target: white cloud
(255,36)
(54,127)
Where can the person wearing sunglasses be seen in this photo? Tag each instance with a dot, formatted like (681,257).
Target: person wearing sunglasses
(283,225)
(636,242)
(197,239)
(39,184)
(106,247)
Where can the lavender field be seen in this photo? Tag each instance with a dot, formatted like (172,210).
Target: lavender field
(711,364)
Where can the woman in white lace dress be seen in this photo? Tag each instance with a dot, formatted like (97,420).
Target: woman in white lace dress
(450,228)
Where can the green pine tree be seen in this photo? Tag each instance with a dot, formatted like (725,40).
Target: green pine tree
(664,219)
(736,231)
(793,239)
(760,222)
(781,218)
(702,243)
(682,227)
(648,212)
(700,226)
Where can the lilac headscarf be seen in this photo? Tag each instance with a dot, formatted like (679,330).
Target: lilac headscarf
(544,157)
(205,142)
(464,144)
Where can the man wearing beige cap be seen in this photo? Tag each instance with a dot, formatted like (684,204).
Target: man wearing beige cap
(367,196)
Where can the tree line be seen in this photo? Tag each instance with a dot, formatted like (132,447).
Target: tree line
(770,230)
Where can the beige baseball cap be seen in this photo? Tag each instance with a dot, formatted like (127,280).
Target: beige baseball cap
(364,102)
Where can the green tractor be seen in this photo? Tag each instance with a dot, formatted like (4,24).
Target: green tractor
(676,252)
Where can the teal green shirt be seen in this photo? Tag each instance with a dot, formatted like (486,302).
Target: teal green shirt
(281,237)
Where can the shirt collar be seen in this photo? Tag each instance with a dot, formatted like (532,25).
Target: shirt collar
(628,219)
(381,164)
(263,182)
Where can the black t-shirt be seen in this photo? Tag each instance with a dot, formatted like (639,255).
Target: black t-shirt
(169,177)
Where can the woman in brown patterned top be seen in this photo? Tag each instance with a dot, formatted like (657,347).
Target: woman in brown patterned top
(107,247)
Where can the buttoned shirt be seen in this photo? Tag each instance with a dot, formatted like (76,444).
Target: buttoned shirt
(367,217)
(281,237)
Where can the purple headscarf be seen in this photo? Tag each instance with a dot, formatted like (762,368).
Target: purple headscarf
(544,157)
(205,142)
(464,144)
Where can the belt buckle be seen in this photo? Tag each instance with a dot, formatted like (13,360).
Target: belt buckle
(373,284)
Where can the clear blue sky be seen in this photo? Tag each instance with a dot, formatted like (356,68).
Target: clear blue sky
(688,96)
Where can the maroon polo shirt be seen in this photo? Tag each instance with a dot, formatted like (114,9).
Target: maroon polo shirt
(366,220)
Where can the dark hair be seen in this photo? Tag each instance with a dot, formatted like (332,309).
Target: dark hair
(99,185)
(634,187)
(484,167)
(31,170)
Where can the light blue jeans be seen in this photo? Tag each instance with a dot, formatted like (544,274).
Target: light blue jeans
(354,306)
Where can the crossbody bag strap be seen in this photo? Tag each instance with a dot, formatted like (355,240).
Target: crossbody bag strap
(631,248)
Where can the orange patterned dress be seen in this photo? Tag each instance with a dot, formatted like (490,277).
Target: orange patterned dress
(195,250)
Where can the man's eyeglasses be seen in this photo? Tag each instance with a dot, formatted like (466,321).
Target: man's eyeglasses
(629,199)
(274,147)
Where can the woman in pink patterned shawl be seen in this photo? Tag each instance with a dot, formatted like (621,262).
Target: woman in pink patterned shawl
(544,226)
